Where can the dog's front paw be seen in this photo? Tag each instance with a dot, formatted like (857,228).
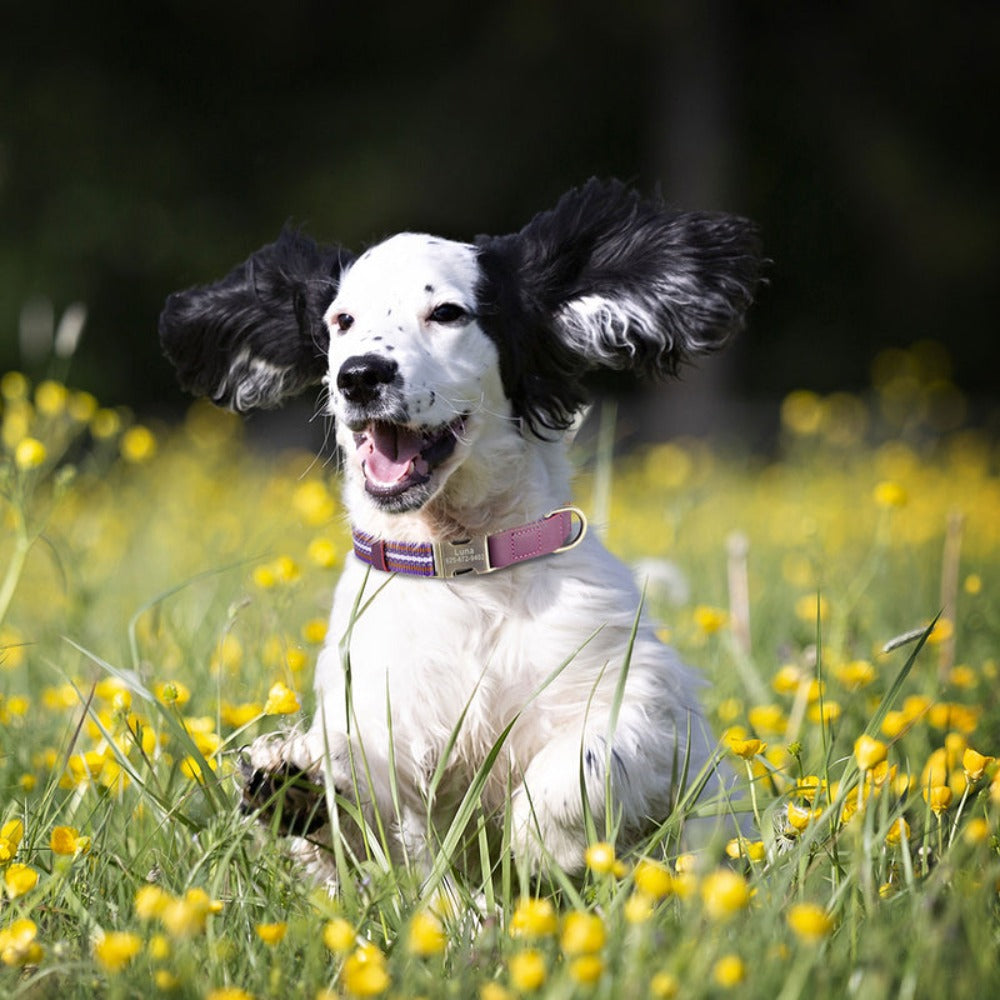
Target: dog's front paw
(283,785)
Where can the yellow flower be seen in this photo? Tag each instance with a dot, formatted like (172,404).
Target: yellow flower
(855,675)
(364,973)
(729,971)
(67,840)
(229,654)
(582,933)
(802,412)
(427,936)
(114,950)
(239,715)
(188,915)
(806,608)
(494,991)
(18,945)
(527,970)
(868,752)
(339,936)
(323,553)
(808,785)
(664,986)
(281,700)
(977,831)
(752,850)
(888,495)
(172,692)
(899,830)
(943,630)
(830,711)
(895,724)
(799,818)
(600,858)
(788,679)
(314,631)
(165,981)
(12,648)
(228,993)
(686,864)
(295,658)
(19,879)
(159,947)
(586,969)
(29,453)
(14,386)
(313,503)
(935,770)
(121,703)
(272,934)
(638,908)
(50,398)
(12,831)
(974,764)
(105,424)
(137,444)
(963,676)
(724,893)
(767,719)
(653,879)
(851,809)
(809,922)
(938,797)
(534,918)
(81,406)
(747,749)
(286,569)
(729,708)
(915,705)
(973,584)
(710,620)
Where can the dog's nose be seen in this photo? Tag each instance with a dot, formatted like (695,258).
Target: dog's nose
(361,378)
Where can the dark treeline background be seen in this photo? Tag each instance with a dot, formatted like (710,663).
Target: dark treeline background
(150,146)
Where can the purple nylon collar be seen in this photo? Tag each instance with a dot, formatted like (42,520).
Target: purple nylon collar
(478,554)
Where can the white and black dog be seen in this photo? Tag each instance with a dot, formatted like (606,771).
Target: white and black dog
(454,371)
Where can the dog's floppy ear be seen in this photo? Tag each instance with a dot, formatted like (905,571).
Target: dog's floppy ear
(609,281)
(257,336)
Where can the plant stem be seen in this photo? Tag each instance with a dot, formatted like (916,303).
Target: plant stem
(15,568)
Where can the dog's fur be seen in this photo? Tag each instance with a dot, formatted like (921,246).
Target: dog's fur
(474,359)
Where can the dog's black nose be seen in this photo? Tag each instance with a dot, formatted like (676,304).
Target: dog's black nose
(360,378)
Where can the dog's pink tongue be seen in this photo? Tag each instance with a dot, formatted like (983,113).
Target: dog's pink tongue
(388,452)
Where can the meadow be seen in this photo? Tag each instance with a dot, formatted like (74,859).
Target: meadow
(163,596)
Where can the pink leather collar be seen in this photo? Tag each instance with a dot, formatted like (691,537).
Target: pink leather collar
(478,554)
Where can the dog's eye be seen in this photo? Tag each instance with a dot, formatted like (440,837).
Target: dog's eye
(448,312)
(344,321)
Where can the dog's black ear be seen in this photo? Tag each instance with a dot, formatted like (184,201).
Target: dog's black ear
(609,281)
(257,336)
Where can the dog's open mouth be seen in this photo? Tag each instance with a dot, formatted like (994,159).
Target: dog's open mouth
(396,458)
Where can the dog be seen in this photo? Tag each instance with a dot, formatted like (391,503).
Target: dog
(477,622)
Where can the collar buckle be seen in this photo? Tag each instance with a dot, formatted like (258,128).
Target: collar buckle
(470,555)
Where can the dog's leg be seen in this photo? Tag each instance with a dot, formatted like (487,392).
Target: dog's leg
(284,784)
(282,778)
(547,809)
(640,767)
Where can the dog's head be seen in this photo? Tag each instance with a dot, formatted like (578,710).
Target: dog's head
(426,345)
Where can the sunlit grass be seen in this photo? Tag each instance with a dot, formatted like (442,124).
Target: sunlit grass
(163,596)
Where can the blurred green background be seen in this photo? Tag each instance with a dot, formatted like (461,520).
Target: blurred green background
(149,146)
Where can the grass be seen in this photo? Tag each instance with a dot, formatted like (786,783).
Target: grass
(163,595)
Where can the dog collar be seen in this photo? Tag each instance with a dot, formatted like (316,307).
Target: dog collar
(477,554)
